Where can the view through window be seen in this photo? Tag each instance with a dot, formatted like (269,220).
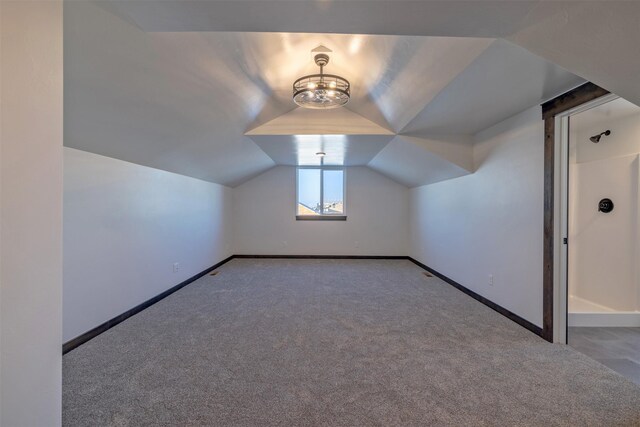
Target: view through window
(320,191)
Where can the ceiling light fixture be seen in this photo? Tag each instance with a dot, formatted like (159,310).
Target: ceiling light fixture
(321,91)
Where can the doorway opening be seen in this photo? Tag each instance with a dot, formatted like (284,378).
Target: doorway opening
(598,257)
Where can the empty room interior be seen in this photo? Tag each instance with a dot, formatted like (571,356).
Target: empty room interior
(319,212)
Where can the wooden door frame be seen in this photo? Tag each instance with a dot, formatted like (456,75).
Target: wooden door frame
(550,109)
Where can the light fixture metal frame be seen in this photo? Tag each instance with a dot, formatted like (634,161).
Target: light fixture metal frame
(319,83)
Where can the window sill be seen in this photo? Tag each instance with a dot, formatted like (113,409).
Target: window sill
(321,217)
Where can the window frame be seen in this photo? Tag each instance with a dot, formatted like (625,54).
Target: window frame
(323,216)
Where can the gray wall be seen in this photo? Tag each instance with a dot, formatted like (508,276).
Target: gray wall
(376,207)
(125,226)
(490,222)
(31,213)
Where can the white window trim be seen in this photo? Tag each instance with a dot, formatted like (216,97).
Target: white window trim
(323,216)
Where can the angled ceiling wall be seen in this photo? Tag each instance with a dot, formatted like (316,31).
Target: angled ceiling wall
(596,40)
(203,89)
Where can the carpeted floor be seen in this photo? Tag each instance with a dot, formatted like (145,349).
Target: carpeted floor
(335,343)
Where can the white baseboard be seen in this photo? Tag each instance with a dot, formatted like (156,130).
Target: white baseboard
(620,319)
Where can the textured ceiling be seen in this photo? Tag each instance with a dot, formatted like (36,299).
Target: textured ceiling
(149,83)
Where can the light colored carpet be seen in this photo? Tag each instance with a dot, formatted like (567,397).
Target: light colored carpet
(336,343)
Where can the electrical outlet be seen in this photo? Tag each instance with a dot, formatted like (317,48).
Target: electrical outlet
(176,267)
(491,280)
(357,244)
(284,244)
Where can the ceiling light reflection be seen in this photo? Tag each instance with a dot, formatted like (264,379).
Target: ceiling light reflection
(315,150)
(355,45)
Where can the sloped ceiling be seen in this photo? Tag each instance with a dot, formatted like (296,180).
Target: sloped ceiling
(425,160)
(498,83)
(198,89)
(301,121)
(346,138)
(596,39)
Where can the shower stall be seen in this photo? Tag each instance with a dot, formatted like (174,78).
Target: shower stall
(603,265)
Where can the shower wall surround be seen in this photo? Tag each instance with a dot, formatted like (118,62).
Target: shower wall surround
(604,248)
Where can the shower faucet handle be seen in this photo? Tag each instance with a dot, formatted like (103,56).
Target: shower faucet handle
(605,205)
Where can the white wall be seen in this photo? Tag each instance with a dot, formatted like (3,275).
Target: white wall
(377,217)
(624,139)
(125,225)
(31,213)
(603,254)
(490,222)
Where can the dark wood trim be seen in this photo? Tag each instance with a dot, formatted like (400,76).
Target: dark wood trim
(574,98)
(81,339)
(507,313)
(323,257)
(548,228)
(321,217)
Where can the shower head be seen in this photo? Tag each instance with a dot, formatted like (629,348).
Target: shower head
(596,138)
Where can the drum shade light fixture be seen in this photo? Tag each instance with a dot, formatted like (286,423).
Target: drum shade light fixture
(321,91)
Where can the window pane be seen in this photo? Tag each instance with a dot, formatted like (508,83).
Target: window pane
(333,192)
(308,191)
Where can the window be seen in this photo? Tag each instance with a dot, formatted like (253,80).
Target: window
(320,193)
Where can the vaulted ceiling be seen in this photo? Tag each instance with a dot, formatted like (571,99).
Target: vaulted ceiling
(204,88)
